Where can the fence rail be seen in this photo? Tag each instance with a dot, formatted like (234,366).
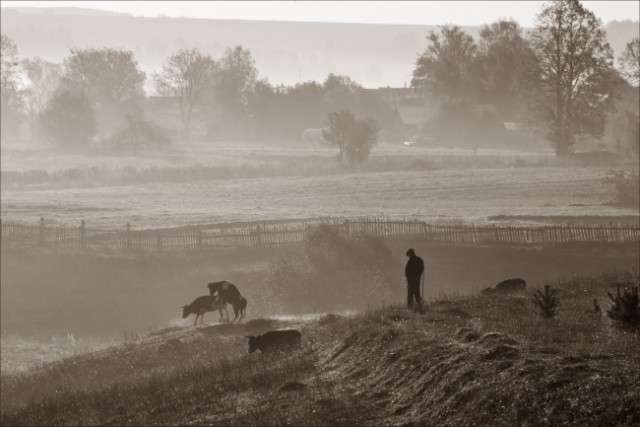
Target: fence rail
(126,238)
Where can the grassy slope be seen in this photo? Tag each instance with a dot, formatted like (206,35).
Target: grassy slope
(478,360)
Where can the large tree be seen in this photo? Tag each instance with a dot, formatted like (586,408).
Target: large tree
(112,81)
(235,81)
(629,62)
(573,78)
(504,53)
(448,68)
(188,77)
(11,110)
(43,79)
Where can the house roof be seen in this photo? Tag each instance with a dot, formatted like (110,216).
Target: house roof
(414,114)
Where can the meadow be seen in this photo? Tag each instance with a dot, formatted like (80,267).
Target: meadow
(224,182)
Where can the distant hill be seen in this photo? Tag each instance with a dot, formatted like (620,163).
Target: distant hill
(68,11)
(285,52)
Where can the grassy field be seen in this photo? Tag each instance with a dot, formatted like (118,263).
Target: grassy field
(470,195)
(208,183)
(469,360)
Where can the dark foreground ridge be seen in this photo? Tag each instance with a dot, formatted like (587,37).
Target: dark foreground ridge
(484,360)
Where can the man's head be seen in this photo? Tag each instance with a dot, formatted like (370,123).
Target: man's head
(411,253)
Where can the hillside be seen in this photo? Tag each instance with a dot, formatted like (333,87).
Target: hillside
(480,360)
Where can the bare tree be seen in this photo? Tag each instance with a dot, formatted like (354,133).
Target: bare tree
(629,62)
(573,80)
(187,76)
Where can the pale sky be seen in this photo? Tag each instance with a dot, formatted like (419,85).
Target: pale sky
(383,12)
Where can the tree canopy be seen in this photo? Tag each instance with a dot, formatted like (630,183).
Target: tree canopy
(11,110)
(573,78)
(447,69)
(630,62)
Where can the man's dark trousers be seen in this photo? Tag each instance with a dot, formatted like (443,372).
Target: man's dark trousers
(413,291)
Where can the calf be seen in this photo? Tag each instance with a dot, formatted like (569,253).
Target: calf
(275,341)
(203,304)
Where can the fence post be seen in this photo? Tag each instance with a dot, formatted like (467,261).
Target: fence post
(258,236)
(347,227)
(128,237)
(41,238)
(82,234)
(158,241)
(199,240)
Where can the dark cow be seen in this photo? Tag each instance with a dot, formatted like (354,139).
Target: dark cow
(271,341)
(240,308)
(511,285)
(228,292)
(203,304)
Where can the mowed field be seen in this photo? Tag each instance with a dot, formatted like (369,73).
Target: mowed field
(294,182)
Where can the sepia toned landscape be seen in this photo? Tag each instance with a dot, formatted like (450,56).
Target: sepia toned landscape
(295,163)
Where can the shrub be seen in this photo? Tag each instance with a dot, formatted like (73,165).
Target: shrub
(625,309)
(354,137)
(547,302)
(626,186)
(137,134)
(336,271)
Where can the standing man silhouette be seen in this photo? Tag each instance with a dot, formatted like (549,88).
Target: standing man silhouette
(413,271)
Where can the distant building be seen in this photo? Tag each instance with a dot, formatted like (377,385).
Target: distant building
(411,110)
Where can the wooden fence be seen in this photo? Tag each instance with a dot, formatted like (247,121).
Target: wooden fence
(126,238)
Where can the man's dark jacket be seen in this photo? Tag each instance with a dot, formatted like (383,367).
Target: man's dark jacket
(414,268)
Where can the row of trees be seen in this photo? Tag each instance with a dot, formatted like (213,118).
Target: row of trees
(560,75)
(98,94)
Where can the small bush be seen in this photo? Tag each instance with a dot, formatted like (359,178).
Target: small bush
(336,271)
(138,134)
(626,307)
(547,302)
(626,186)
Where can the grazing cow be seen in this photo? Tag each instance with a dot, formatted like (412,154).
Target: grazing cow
(229,294)
(279,340)
(203,304)
(510,285)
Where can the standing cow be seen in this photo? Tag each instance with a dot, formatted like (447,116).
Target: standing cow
(229,293)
